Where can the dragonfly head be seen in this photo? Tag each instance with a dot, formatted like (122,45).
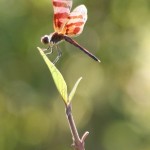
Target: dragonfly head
(46,39)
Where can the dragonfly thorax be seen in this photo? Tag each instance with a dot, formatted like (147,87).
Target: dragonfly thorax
(52,39)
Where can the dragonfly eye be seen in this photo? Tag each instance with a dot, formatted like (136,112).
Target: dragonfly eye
(45,39)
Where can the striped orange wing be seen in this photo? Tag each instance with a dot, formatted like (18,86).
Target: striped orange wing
(76,22)
(61,13)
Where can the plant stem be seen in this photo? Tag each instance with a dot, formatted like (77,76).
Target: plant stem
(78,143)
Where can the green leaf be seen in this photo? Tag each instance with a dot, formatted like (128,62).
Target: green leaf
(73,90)
(57,76)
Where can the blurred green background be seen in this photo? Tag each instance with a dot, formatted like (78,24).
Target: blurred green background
(113,99)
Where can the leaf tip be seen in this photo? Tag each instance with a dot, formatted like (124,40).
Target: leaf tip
(71,95)
(80,79)
(38,47)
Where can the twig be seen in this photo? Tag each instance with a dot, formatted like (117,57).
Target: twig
(78,144)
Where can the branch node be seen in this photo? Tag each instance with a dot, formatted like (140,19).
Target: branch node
(84,136)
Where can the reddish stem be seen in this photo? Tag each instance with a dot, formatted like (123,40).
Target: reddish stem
(78,143)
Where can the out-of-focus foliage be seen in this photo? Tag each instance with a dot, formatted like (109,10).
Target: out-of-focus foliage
(113,99)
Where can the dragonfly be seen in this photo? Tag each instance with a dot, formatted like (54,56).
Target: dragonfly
(66,24)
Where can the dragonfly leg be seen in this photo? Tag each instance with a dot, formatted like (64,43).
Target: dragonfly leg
(45,49)
(59,54)
(50,52)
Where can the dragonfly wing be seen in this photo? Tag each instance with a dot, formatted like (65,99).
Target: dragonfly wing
(76,22)
(61,12)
